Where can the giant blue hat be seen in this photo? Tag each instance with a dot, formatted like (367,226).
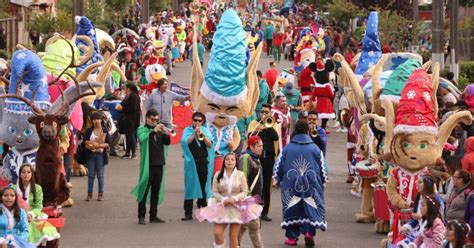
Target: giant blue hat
(28,63)
(225,81)
(371,48)
(86,27)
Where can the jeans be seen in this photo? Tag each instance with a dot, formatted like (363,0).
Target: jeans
(269,46)
(154,182)
(277,53)
(95,166)
(131,142)
(67,166)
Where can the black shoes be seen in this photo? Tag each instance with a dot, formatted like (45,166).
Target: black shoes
(134,156)
(126,155)
(265,218)
(141,221)
(187,217)
(156,220)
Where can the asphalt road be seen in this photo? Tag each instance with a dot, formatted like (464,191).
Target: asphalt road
(113,222)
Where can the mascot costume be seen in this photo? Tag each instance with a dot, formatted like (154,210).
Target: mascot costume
(414,140)
(229,90)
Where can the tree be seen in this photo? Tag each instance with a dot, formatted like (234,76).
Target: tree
(159,5)
(402,7)
(344,10)
(395,28)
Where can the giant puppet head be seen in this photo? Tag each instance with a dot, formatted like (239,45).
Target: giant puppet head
(87,28)
(229,90)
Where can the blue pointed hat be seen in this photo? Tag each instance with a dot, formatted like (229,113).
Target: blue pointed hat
(225,81)
(371,48)
(25,61)
(86,27)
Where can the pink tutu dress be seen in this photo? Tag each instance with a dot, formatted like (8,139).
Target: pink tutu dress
(245,209)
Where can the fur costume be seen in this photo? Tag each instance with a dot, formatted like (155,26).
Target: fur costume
(229,91)
(414,140)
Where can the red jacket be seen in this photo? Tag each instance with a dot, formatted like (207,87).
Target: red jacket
(306,81)
(278,39)
(468,159)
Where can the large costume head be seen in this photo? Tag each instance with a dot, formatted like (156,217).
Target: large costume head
(415,139)
(229,90)
(28,77)
(286,76)
(166,31)
(371,49)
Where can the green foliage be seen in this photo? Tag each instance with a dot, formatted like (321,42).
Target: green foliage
(344,10)
(96,12)
(65,5)
(117,5)
(466,74)
(4,54)
(466,3)
(46,23)
(159,5)
(395,28)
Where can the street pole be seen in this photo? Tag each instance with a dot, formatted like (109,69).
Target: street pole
(78,10)
(415,10)
(438,31)
(145,11)
(453,41)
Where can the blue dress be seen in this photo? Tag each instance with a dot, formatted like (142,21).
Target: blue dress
(18,235)
(302,174)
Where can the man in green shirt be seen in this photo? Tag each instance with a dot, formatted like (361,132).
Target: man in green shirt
(295,103)
(264,96)
(269,30)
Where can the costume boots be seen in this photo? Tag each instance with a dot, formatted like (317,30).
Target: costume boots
(366,214)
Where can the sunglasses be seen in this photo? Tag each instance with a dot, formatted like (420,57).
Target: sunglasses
(197,120)
(264,112)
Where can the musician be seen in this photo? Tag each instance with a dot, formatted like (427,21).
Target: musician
(269,138)
(319,137)
(198,164)
(153,138)
(281,114)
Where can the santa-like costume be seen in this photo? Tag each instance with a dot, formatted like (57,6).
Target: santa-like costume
(282,117)
(323,92)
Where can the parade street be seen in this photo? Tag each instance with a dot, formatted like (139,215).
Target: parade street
(114,222)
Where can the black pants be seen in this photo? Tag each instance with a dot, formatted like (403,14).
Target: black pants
(201,167)
(269,47)
(324,123)
(154,182)
(267,171)
(131,140)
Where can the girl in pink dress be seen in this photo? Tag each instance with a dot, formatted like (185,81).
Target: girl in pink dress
(230,204)
(432,229)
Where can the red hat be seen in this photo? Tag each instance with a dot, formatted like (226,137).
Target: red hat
(415,112)
(253,140)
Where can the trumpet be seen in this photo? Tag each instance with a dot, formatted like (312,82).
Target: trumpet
(171,132)
(200,136)
(267,122)
(314,133)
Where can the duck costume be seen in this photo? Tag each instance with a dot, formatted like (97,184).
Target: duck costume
(16,131)
(229,90)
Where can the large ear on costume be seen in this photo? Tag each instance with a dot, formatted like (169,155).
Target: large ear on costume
(116,68)
(376,89)
(426,66)
(34,119)
(355,61)
(252,80)
(353,82)
(375,117)
(72,93)
(435,84)
(329,66)
(312,67)
(84,75)
(389,123)
(197,76)
(448,126)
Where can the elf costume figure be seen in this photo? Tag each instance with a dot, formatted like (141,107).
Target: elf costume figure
(229,90)
(414,140)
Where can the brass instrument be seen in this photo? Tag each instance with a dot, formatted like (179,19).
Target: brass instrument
(200,136)
(267,122)
(171,132)
(314,133)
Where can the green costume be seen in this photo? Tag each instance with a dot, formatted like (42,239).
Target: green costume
(40,230)
(143,134)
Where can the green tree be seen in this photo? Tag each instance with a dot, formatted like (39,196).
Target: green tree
(344,10)
(117,5)
(397,29)
(96,12)
(159,5)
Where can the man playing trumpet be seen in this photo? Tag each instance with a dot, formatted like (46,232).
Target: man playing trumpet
(266,128)
(198,164)
(317,134)
(154,140)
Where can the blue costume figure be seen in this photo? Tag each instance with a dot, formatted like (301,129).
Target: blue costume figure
(371,48)
(197,168)
(302,174)
(87,28)
(16,131)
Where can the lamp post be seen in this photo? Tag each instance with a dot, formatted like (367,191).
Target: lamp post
(145,11)
(453,40)
(438,33)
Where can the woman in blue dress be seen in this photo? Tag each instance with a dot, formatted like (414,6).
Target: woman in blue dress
(14,230)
